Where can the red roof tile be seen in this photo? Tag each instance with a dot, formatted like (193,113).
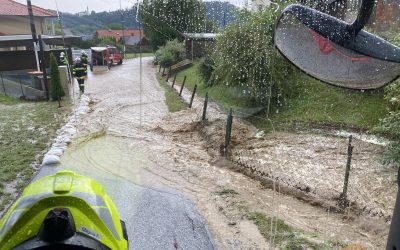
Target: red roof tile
(118,33)
(11,8)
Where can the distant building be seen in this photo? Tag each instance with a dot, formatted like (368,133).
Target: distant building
(84,13)
(119,34)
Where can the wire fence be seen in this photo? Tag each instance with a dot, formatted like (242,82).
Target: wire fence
(21,85)
(311,167)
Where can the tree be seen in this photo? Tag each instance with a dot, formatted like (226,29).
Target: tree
(167,20)
(56,91)
(245,58)
(115,26)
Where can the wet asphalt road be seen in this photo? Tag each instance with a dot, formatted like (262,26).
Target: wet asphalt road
(156,218)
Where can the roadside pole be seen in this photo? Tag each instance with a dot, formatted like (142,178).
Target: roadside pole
(343,201)
(4,87)
(35,40)
(33,31)
(43,66)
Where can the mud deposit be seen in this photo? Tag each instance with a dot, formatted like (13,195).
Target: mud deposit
(129,140)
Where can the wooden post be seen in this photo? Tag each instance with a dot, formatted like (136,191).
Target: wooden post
(205,107)
(163,71)
(343,202)
(183,84)
(173,83)
(228,129)
(20,84)
(191,99)
(169,74)
(2,81)
(159,69)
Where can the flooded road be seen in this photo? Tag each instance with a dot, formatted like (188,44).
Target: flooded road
(161,168)
(113,146)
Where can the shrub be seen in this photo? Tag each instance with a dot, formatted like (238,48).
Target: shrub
(245,57)
(206,68)
(57,91)
(390,125)
(170,54)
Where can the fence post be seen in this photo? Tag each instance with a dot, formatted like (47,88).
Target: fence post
(343,202)
(191,99)
(183,84)
(205,107)
(228,129)
(169,74)
(159,69)
(20,84)
(2,81)
(173,83)
(163,71)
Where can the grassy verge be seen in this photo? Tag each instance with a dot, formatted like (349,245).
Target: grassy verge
(226,97)
(285,236)
(172,99)
(324,106)
(26,129)
(136,55)
(316,105)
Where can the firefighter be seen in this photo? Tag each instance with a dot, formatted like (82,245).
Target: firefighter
(63,59)
(80,73)
(84,59)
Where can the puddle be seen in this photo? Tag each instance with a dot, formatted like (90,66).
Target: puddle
(107,154)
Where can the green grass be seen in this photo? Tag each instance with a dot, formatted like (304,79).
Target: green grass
(226,97)
(26,129)
(8,100)
(322,105)
(316,105)
(136,55)
(227,192)
(285,236)
(172,99)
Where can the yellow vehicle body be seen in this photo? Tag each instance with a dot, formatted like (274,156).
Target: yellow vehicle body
(94,214)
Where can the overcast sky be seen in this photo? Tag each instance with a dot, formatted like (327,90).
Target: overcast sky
(74,6)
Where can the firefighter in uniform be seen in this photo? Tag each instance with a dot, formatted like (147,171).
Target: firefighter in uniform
(84,59)
(80,73)
(63,59)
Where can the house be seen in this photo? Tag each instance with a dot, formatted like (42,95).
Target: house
(18,53)
(119,34)
(14,18)
(84,13)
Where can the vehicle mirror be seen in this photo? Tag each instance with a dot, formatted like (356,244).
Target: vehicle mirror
(334,51)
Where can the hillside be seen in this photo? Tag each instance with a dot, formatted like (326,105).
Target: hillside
(87,25)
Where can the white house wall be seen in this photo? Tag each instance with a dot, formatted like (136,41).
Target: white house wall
(19,25)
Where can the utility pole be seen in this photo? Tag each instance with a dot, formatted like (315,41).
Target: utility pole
(35,40)
(33,31)
(225,3)
(123,26)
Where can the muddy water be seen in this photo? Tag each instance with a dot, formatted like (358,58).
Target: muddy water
(108,155)
(143,148)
